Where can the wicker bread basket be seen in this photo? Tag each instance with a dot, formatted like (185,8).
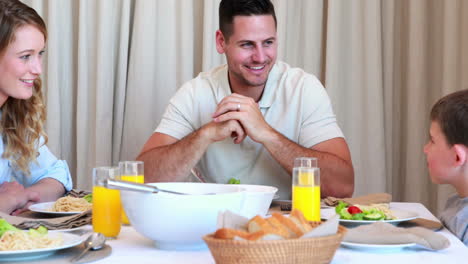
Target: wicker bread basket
(307,250)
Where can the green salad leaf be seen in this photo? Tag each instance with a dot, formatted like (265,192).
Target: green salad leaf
(89,198)
(340,206)
(374,215)
(40,231)
(359,216)
(344,214)
(233,181)
(5,226)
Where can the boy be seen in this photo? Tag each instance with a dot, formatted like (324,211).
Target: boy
(447,158)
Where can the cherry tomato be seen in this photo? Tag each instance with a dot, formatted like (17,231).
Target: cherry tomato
(354,210)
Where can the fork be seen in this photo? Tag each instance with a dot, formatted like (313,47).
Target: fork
(285,207)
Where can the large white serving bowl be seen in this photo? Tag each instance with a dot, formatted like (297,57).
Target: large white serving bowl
(178,222)
(257,199)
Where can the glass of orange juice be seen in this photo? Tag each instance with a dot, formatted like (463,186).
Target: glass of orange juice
(306,187)
(106,203)
(132,171)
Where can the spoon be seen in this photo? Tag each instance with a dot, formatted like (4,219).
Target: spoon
(94,241)
(139,187)
(133,186)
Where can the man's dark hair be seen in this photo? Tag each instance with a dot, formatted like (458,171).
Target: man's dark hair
(451,112)
(228,9)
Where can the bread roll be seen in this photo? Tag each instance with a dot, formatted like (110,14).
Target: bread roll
(258,223)
(294,230)
(229,233)
(300,220)
(279,228)
(275,227)
(263,235)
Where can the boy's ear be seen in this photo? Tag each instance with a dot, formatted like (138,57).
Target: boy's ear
(461,153)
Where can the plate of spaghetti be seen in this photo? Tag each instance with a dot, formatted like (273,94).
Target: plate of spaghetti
(22,245)
(64,206)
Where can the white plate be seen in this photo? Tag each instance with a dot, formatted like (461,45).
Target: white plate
(46,208)
(380,247)
(400,215)
(69,240)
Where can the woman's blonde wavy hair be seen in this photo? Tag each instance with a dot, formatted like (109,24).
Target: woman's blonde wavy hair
(21,124)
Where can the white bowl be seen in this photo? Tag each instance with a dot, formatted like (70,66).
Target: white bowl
(257,199)
(178,222)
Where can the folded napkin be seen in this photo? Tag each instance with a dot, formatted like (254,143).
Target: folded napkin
(228,219)
(372,198)
(327,228)
(384,233)
(65,222)
(422,222)
(77,193)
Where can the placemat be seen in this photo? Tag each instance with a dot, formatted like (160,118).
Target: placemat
(65,255)
(57,223)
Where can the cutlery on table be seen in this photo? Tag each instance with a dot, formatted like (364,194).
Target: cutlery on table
(139,187)
(133,186)
(95,241)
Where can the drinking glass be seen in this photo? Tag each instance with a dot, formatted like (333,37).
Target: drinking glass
(305,162)
(132,171)
(107,216)
(306,187)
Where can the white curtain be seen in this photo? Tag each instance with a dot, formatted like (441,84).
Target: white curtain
(112,66)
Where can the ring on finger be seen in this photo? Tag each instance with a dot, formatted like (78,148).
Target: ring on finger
(238,107)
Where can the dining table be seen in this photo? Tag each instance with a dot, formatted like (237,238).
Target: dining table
(132,247)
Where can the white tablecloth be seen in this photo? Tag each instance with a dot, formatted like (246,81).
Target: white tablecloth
(131,247)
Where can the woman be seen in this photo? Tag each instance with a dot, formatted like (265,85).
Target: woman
(29,172)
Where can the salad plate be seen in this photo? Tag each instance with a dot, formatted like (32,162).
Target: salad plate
(69,240)
(46,208)
(379,247)
(400,215)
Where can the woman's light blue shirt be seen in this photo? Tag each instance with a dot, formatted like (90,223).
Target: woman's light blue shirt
(47,166)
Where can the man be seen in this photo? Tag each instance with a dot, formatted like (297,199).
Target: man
(272,112)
